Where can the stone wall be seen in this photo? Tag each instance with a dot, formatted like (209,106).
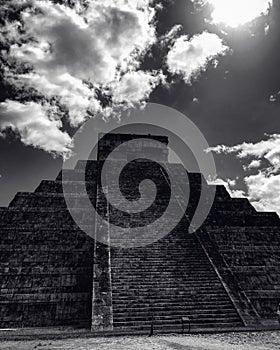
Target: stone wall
(249,242)
(46,261)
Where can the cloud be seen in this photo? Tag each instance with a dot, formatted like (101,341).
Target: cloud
(268,149)
(88,47)
(135,87)
(228,184)
(189,57)
(170,36)
(253,165)
(70,53)
(274,97)
(76,96)
(263,188)
(264,191)
(36,125)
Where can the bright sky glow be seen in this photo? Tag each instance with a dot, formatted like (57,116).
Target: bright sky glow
(237,12)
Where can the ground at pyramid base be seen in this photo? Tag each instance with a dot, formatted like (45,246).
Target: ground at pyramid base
(219,341)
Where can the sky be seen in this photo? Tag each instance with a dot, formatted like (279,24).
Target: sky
(64,62)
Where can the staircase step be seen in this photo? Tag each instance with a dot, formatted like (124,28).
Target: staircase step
(146,287)
(177,315)
(177,320)
(176,328)
(184,310)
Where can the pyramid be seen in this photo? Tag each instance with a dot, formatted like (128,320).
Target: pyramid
(55,272)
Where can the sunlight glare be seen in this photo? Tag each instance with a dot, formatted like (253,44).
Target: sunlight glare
(237,12)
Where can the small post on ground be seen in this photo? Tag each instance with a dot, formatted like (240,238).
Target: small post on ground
(152,326)
(185,320)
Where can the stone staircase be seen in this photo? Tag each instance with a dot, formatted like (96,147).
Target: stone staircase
(163,282)
(168,280)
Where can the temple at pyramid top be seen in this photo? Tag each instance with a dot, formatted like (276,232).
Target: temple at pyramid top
(132,146)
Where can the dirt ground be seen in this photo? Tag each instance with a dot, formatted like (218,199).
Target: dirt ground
(232,341)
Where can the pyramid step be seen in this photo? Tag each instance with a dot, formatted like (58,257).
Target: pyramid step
(185,309)
(168,302)
(157,272)
(182,282)
(177,327)
(179,290)
(145,287)
(175,315)
(165,321)
(118,280)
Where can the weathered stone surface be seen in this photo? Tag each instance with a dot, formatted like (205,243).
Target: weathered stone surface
(46,262)
(252,254)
